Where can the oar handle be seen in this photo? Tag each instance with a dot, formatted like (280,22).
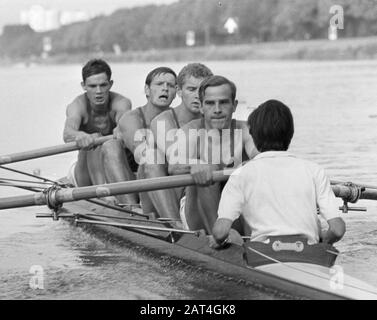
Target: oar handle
(49,151)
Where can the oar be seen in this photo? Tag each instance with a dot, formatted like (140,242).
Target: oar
(82,193)
(135,226)
(60,196)
(368,186)
(49,151)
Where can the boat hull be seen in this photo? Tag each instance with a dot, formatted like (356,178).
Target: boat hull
(320,277)
(194,250)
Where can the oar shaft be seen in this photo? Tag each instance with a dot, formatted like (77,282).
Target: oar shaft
(134,186)
(142,185)
(134,226)
(23,201)
(83,193)
(345,192)
(44,152)
(368,186)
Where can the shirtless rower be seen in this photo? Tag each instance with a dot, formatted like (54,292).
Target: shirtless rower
(166,201)
(278,193)
(160,90)
(218,142)
(90,115)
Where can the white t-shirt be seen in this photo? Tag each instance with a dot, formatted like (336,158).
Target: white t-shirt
(278,194)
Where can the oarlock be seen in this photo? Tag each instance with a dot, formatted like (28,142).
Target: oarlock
(353,196)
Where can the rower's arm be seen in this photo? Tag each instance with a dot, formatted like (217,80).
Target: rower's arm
(336,231)
(182,154)
(164,131)
(128,125)
(221,230)
(248,142)
(121,105)
(75,115)
(134,136)
(73,121)
(328,208)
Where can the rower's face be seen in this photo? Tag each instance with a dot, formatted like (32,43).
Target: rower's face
(189,93)
(218,107)
(161,92)
(97,88)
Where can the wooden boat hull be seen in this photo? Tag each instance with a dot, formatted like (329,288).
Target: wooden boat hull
(303,281)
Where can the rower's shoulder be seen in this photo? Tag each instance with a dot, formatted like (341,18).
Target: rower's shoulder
(77,105)
(117,97)
(131,117)
(240,124)
(165,116)
(243,128)
(120,101)
(80,100)
(193,124)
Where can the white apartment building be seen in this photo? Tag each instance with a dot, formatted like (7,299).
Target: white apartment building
(41,19)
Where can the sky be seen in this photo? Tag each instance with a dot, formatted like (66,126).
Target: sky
(10,9)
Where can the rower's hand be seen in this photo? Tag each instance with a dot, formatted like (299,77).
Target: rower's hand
(86,141)
(233,238)
(117,134)
(203,173)
(212,242)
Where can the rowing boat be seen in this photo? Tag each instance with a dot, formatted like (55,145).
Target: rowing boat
(293,280)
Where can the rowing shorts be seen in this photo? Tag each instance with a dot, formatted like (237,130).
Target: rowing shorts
(182,212)
(71,174)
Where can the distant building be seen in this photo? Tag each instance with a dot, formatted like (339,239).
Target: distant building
(41,19)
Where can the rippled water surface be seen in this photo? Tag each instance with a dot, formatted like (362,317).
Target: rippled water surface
(335,111)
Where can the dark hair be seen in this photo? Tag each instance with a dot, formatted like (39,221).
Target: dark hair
(95,66)
(158,71)
(215,81)
(196,70)
(271,126)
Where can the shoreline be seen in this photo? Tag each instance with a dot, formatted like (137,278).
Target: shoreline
(322,49)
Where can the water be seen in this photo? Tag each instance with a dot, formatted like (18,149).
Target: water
(335,116)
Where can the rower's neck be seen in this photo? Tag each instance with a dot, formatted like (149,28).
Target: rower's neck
(209,127)
(99,108)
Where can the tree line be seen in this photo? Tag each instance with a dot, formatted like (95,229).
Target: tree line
(155,27)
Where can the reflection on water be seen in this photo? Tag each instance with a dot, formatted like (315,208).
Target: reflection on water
(334,108)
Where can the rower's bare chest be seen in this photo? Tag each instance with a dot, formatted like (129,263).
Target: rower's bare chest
(220,149)
(98,119)
(98,122)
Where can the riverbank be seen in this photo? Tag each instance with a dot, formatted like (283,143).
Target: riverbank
(323,49)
